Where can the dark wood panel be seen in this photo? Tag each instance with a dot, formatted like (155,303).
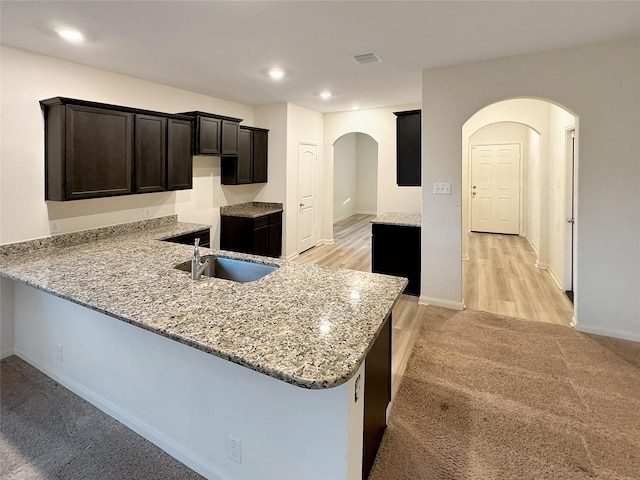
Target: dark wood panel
(179,156)
(408,148)
(395,250)
(229,138)
(377,395)
(245,157)
(150,140)
(98,152)
(208,136)
(260,152)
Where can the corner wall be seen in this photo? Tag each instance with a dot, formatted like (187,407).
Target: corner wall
(599,83)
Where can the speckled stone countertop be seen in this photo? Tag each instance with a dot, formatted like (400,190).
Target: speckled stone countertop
(304,324)
(400,219)
(250,209)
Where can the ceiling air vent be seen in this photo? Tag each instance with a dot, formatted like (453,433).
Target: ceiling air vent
(367,58)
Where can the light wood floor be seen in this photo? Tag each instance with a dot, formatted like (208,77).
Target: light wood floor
(501,277)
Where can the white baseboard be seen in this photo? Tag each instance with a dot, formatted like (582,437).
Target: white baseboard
(438,302)
(7,353)
(177,451)
(366,212)
(326,241)
(554,277)
(624,335)
(542,266)
(292,256)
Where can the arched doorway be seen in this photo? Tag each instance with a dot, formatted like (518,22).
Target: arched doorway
(355,175)
(544,190)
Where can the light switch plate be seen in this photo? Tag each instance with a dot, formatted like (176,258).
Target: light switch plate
(442,188)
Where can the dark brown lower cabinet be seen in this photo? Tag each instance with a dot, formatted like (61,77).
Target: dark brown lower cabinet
(258,236)
(189,238)
(377,395)
(395,250)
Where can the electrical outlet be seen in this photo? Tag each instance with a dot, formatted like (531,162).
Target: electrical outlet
(442,188)
(55,226)
(146,213)
(233,449)
(60,353)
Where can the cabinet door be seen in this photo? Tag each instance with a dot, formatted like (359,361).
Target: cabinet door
(260,141)
(395,250)
(229,138)
(275,239)
(208,136)
(261,241)
(150,148)
(408,148)
(98,152)
(179,156)
(245,157)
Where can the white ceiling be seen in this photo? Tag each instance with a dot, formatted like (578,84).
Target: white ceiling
(223,49)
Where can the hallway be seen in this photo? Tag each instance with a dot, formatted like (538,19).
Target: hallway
(501,277)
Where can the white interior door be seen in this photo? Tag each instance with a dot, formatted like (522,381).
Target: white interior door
(495,188)
(307,208)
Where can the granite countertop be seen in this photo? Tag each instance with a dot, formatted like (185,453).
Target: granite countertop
(400,219)
(304,324)
(250,209)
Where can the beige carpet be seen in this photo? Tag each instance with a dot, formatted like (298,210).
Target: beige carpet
(48,432)
(489,397)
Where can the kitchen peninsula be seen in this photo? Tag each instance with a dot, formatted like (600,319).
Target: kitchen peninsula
(278,364)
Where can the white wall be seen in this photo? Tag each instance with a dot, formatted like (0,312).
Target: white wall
(380,124)
(367,162)
(355,176)
(533,189)
(28,78)
(345,173)
(599,83)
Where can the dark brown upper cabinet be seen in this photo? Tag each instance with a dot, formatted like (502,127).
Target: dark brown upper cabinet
(88,151)
(150,153)
(250,166)
(180,158)
(215,134)
(408,148)
(98,150)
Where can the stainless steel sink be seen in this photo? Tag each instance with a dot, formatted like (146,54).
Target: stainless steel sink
(231,269)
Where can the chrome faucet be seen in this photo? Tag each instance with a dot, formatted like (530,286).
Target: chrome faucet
(197,266)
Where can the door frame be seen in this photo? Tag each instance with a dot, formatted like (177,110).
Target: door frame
(571,210)
(520,185)
(316,217)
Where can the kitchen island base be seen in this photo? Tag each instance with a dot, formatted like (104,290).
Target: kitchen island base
(187,401)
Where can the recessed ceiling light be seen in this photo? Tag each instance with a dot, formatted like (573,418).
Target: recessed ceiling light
(276,73)
(355,108)
(325,95)
(72,36)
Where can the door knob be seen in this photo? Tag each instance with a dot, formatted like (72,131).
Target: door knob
(571,220)
(302,204)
